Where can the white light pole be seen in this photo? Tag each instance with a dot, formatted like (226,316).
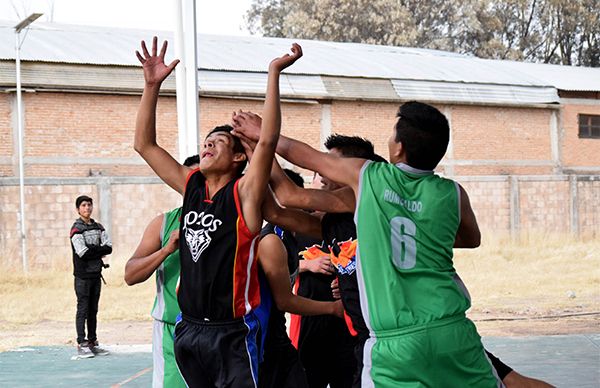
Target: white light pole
(18,28)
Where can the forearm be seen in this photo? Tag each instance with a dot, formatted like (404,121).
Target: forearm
(285,190)
(145,123)
(295,304)
(139,269)
(271,123)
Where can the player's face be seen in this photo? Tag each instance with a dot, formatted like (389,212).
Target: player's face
(217,152)
(85,209)
(326,183)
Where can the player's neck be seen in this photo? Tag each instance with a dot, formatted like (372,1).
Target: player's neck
(216,182)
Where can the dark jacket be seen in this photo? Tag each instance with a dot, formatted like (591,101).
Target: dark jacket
(89,243)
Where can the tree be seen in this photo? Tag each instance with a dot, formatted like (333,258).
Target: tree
(549,31)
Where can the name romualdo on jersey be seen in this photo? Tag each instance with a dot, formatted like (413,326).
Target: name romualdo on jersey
(197,228)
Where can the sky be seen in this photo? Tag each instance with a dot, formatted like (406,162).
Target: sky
(221,17)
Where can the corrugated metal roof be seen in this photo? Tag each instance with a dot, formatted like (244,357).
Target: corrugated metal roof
(492,94)
(238,64)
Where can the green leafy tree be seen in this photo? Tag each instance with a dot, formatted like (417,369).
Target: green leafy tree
(549,31)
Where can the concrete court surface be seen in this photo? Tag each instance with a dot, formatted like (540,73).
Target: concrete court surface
(565,361)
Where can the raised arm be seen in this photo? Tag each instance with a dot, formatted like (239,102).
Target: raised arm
(272,257)
(286,191)
(291,219)
(252,185)
(149,254)
(341,170)
(163,164)
(291,195)
(468,234)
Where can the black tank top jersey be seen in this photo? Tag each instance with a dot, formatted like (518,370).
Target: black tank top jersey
(339,233)
(219,279)
(277,332)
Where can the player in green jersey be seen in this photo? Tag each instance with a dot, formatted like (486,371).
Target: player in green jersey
(408,220)
(158,253)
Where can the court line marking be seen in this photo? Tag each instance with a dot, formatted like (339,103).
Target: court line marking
(135,376)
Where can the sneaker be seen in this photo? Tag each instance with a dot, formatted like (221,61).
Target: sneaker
(97,350)
(84,351)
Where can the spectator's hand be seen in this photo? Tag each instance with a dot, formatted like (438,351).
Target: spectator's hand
(246,124)
(320,265)
(278,64)
(173,243)
(155,70)
(335,289)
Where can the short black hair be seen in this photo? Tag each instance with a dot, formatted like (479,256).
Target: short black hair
(424,133)
(191,160)
(294,176)
(378,158)
(237,144)
(351,146)
(82,198)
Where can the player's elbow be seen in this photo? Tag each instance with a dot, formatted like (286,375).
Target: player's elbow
(130,278)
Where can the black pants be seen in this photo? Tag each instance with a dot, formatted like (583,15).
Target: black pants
(88,295)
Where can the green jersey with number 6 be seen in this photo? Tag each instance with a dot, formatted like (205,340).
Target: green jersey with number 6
(166,307)
(407,221)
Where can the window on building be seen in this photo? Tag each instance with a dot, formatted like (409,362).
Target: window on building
(589,126)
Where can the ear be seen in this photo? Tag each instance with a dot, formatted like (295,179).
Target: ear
(397,152)
(239,157)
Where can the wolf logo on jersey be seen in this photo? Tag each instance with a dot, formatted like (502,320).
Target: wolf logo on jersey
(197,241)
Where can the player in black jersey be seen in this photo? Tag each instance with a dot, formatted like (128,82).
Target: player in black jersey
(216,340)
(339,233)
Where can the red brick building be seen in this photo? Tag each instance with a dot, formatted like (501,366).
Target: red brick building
(525,137)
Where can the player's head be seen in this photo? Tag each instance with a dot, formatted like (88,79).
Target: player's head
(222,152)
(349,146)
(192,161)
(420,137)
(346,147)
(84,206)
(294,176)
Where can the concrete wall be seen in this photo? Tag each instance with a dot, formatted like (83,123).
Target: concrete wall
(561,204)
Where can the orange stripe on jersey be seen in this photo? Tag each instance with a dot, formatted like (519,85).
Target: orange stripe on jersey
(246,291)
(295,320)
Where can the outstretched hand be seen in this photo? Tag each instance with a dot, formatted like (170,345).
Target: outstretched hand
(246,124)
(155,70)
(278,64)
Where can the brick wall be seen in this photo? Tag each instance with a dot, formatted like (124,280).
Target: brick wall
(578,152)
(68,134)
(544,205)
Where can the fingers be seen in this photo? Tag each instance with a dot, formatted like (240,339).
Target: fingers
(163,49)
(173,64)
(154,44)
(297,50)
(139,56)
(145,50)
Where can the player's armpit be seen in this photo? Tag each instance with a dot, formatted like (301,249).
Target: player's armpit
(468,234)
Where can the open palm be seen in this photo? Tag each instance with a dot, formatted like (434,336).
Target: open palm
(155,70)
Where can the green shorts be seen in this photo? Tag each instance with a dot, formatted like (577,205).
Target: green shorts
(446,353)
(165,372)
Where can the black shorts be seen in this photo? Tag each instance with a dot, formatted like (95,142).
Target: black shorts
(218,354)
(326,350)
